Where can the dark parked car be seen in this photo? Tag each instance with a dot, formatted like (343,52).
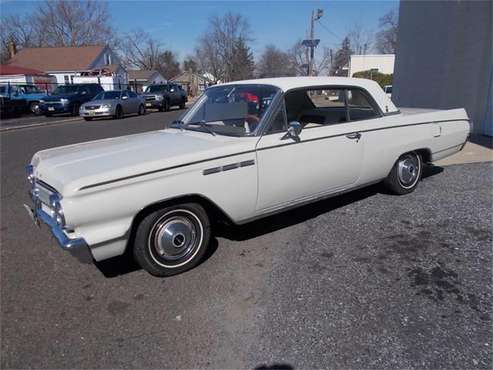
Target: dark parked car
(69,98)
(164,96)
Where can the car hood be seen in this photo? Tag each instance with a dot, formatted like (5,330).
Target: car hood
(71,168)
(58,97)
(101,101)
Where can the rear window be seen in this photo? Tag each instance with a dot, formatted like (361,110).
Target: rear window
(108,95)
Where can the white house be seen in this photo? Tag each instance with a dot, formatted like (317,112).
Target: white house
(383,63)
(139,79)
(69,64)
(15,75)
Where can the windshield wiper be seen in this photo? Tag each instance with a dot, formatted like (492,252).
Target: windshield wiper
(203,125)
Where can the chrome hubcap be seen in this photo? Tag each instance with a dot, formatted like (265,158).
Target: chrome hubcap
(174,237)
(408,170)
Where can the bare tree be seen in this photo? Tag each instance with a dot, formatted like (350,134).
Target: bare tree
(341,58)
(216,48)
(361,39)
(140,50)
(73,23)
(58,23)
(299,59)
(275,63)
(386,39)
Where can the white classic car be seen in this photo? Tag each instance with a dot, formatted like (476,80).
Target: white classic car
(243,151)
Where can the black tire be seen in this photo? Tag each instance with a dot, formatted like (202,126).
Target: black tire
(48,114)
(34,108)
(405,175)
(118,112)
(142,110)
(88,118)
(165,105)
(75,109)
(172,240)
(183,103)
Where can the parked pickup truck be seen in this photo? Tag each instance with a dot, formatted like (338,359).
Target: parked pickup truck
(69,98)
(243,151)
(27,95)
(164,96)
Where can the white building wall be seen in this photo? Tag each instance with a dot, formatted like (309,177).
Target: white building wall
(383,62)
(445,58)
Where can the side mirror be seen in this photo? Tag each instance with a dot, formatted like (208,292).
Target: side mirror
(124,97)
(84,92)
(294,131)
(172,90)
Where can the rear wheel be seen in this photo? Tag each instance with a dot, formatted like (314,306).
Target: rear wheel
(172,240)
(405,175)
(183,104)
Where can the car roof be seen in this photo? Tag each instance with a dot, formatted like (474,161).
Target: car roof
(291,83)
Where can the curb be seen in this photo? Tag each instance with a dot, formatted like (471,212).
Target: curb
(39,124)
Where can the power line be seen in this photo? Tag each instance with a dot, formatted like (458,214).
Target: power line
(339,39)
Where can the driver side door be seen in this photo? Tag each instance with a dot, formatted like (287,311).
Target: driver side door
(326,158)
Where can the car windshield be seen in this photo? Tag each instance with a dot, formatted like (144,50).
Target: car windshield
(3,89)
(108,95)
(155,88)
(233,110)
(65,89)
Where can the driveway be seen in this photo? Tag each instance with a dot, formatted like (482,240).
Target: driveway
(363,280)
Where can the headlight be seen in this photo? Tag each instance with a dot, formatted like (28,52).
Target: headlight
(64,101)
(106,106)
(159,97)
(56,209)
(30,174)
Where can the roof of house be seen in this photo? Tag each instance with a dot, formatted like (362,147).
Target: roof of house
(140,74)
(57,59)
(289,83)
(8,69)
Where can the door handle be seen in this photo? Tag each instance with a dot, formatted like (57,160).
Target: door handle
(354,136)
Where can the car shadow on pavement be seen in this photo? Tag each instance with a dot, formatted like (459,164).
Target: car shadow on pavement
(306,212)
(125,264)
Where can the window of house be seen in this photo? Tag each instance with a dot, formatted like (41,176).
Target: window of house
(359,106)
(66,79)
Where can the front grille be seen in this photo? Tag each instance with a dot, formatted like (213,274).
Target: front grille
(92,107)
(149,98)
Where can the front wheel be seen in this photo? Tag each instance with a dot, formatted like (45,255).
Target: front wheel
(142,110)
(88,118)
(183,104)
(172,240)
(34,108)
(75,109)
(405,175)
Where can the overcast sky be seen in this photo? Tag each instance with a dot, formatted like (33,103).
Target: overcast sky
(178,24)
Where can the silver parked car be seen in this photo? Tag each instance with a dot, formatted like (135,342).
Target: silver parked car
(114,104)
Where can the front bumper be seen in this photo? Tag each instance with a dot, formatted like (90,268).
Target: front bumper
(50,108)
(75,246)
(100,112)
(153,104)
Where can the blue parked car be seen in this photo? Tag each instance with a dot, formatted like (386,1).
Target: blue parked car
(69,98)
(30,94)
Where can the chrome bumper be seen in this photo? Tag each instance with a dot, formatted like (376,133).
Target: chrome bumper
(75,246)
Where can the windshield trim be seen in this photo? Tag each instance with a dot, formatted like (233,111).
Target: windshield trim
(260,127)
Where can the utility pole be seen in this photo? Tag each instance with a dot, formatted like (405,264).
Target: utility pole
(312,43)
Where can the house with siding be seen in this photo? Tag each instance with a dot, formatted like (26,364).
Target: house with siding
(94,63)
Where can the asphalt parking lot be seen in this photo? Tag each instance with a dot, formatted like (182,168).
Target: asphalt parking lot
(363,280)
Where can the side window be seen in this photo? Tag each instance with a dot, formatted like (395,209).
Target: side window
(359,106)
(278,122)
(131,94)
(316,107)
(124,94)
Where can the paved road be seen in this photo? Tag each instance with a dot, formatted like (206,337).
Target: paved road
(365,280)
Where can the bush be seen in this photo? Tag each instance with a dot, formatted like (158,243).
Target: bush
(381,78)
